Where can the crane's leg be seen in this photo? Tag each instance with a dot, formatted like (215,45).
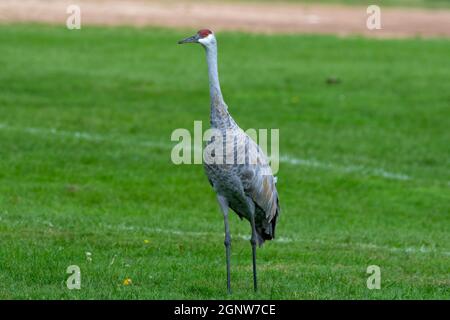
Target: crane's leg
(253,242)
(224,207)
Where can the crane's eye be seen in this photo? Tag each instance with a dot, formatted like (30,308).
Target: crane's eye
(204,33)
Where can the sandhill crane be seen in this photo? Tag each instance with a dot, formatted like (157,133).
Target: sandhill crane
(247,187)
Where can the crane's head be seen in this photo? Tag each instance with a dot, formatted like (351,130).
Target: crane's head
(205,37)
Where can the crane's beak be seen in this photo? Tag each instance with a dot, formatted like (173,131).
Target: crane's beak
(193,39)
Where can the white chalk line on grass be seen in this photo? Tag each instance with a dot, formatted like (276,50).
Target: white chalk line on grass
(282,240)
(312,163)
(352,245)
(84,136)
(380,172)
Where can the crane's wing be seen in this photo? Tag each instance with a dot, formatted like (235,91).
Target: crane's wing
(261,188)
(260,185)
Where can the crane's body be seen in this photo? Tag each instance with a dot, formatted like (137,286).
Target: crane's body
(248,187)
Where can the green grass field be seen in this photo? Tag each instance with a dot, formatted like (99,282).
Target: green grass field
(85,124)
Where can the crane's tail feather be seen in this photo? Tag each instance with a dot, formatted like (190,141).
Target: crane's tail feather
(266,229)
(266,233)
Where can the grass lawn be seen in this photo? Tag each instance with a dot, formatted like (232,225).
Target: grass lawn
(85,124)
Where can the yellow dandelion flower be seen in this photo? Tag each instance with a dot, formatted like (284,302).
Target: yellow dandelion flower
(127,282)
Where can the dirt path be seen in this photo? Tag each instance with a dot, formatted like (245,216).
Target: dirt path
(250,17)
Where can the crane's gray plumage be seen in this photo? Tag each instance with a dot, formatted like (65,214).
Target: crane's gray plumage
(247,187)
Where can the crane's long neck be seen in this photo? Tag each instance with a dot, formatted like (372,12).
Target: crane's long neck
(219,117)
(213,73)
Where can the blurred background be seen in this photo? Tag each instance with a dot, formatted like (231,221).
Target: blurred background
(400,17)
(86,178)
